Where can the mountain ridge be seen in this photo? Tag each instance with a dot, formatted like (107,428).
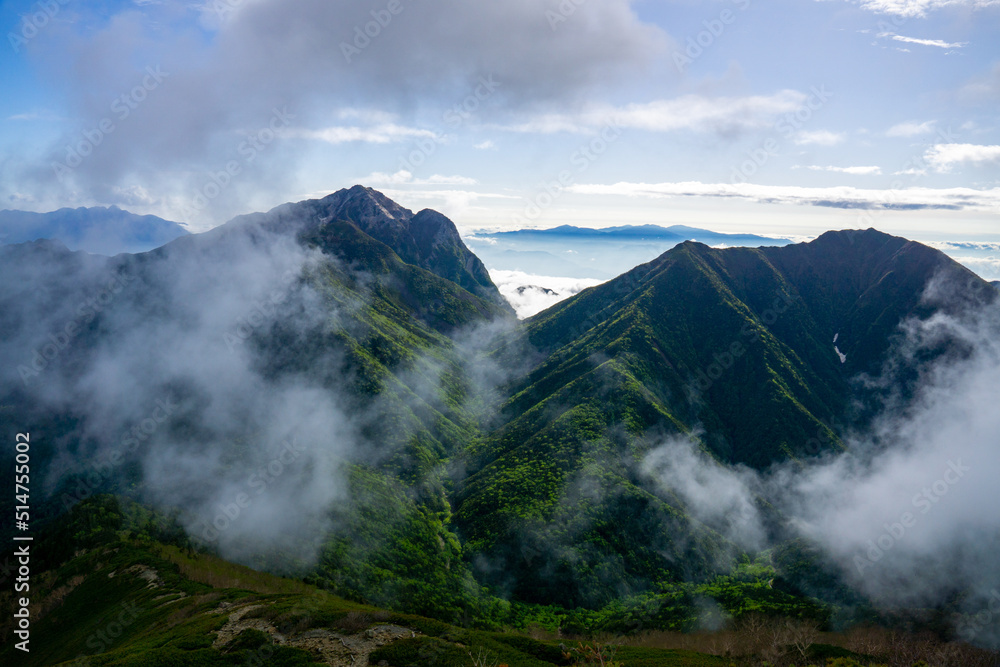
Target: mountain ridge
(98,230)
(673,232)
(427,238)
(479,463)
(582,252)
(737,348)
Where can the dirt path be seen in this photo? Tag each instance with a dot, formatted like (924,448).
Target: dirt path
(337,650)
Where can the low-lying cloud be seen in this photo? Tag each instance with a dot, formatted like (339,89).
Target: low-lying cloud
(530,294)
(910,198)
(908,513)
(161,368)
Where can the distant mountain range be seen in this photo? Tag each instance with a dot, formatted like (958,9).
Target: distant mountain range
(99,230)
(676,233)
(580,252)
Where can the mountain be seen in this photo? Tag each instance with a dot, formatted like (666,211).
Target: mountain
(335,391)
(750,350)
(292,341)
(854,286)
(539,262)
(676,233)
(426,239)
(580,252)
(99,230)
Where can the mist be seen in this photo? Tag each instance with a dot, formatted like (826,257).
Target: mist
(166,372)
(721,497)
(181,371)
(908,514)
(530,294)
(216,96)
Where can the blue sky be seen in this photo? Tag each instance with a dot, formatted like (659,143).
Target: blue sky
(787,117)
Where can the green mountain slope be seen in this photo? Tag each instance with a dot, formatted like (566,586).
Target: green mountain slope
(119,585)
(357,323)
(735,347)
(346,322)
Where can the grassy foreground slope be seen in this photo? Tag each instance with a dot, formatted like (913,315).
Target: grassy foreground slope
(112,594)
(119,586)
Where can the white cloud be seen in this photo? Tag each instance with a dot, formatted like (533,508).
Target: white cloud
(983,257)
(530,294)
(302,55)
(21,198)
(404,177)
(717,495)
(488,240)
(924,42)
(820,138)
(487,145)
(454,203)
(942,443)
(833,197)
(944,156)
(855,171)
(987,268)
(920,8)
(689,112)
(911,128)
(878,509)
(985,87)
(956,246)
(133,195)
(377,134)
(36,115)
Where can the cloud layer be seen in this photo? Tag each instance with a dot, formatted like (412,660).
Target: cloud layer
(943,157)
(225,70)
(837,197)
(690,112)
(175,387)
(907,513)
(920,8)
(531,294)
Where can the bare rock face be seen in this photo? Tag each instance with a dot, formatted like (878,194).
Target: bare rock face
(426,239)
(333,648)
